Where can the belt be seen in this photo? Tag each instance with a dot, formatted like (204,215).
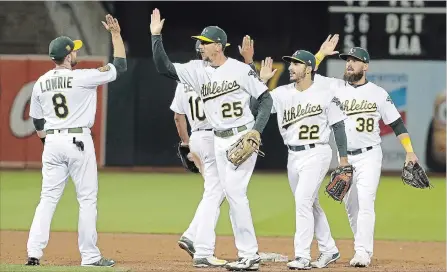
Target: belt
(203,129)
(300,147)
(229,132)
(359,151)
(70,130)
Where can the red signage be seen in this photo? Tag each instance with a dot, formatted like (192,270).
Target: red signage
(19,144)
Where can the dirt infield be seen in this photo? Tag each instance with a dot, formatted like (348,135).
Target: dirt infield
(142,252)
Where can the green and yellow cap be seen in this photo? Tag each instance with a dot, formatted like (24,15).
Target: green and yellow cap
(213,34)
(358,53)
(302,56)
(62,46)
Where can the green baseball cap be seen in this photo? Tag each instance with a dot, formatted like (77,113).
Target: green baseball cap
(358,53)
(302,56)
(62,46)
(213,34)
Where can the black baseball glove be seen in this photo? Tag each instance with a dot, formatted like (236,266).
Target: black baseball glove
(340,182)
(414,175)
(182,153)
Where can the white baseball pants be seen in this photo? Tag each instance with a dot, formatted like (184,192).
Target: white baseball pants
(202,228)
(235,182)
(306,170)
(359,201)
(61,158)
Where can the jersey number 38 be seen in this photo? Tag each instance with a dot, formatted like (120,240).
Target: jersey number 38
(60,105)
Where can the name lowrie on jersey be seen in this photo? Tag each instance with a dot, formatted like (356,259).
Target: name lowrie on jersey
(56,83)
(214,89)
(295,114)
(352,107)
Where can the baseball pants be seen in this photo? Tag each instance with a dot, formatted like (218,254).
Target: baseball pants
(359,201)
(235,182)
(306,170)
(61,159)
(202,228)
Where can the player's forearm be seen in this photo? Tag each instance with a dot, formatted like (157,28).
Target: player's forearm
(318,59)
(39,125)
(254,104)
(118,46)
(401,132)
(263,113)
(182,127)
(340,139)
(162,63)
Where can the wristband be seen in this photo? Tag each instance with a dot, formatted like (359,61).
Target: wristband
(406,143)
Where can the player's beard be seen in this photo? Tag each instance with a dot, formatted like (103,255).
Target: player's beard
(354,77)
(299,76)
(73,63)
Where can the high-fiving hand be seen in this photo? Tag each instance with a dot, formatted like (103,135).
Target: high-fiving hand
(267,71)
(247,50)
(111,24)
(328,46)
(156,22)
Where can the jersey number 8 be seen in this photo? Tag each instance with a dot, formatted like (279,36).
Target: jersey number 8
(60,105)
(309,132)
(365,124)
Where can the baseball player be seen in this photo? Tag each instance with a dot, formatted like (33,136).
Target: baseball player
(63,107)
(306,113)
(200,233)
(365,103)
(225,86)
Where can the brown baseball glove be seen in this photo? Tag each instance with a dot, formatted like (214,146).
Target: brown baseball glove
(244,147)
(340,182)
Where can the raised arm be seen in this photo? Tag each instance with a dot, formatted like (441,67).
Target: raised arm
(162,63)
(119,52)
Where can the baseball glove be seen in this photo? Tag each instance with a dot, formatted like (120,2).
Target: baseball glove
(414,175)
(340,183)
(182,153)
(244,147)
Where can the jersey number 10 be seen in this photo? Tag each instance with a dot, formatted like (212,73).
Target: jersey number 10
(195,107)
(60,105)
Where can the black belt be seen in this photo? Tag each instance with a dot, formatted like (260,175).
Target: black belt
(70,130)
(359,151)
(229,132)
(300,147)
(203,129)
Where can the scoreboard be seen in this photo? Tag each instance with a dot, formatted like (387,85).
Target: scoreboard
(391,29)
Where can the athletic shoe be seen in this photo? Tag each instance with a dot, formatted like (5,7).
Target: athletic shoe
(245,264)
(361,259)
(299,264)
(324,259)
(187,245)
(33,261)
(208,262)
(102,262)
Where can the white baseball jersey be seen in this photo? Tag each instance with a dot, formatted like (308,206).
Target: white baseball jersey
(187,101)
(365,105)
(67,98)
(225,90)
(305,117)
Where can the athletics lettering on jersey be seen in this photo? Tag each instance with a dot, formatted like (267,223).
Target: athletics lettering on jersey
(296,114)
(225,90)
(56,83)
(215,89)
(352,107)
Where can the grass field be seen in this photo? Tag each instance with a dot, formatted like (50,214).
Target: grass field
(165,203)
